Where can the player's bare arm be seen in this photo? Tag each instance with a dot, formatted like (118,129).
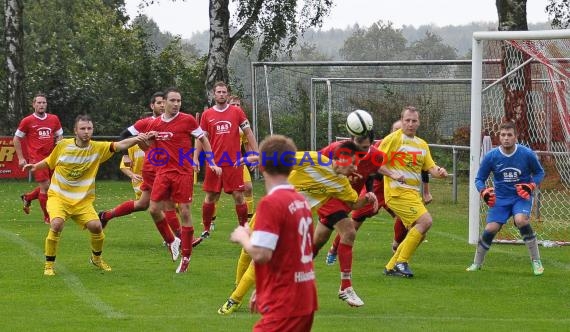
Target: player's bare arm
(205,145)
(391,174)
(18,146)
(34,167)
(438,171)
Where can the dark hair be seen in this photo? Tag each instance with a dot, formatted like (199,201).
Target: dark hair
(82,117)
(369,135)
(280,145)
(347,148)
(156,94)
(508,125)
(169,90)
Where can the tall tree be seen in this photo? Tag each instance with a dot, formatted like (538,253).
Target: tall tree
(380,42)
(560,12)
(14,36)
(512,17)
(272,24)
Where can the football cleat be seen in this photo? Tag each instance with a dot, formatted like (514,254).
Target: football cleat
(205,234)
(183,267)
(229,307)
(46,220)
(26,204)
(99,262)
(404,270)
(331,257)
(196,241)
(473,267)
(49,269)
(349,296)
(174,248)
(391,273)
(537,268)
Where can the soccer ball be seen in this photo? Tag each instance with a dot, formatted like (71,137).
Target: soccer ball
(359,123)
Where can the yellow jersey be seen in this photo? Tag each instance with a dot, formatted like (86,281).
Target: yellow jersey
(74,169)
(314,178)
(407,156)
(137,159)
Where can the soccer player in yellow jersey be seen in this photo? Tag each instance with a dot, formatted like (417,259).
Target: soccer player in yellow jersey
(406,156)
(74,163)
(134,172)
(318,179)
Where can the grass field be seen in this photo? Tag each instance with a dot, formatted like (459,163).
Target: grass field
(143,293)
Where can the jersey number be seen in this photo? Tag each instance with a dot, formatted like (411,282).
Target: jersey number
(306,242)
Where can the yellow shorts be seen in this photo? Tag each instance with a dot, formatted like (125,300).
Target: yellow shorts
(246,174)
(81,213)
(408,206)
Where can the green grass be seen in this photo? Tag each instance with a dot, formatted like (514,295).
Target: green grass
(143,293)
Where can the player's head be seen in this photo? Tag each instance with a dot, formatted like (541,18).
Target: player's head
(410,120)
(396,125)
(344,158)
(172,101)
(234,100)
(157,103)
(364,142)
(281,145)
(83,128)
(39,103)
(507,134)
(220,93)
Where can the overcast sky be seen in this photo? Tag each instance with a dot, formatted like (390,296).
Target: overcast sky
(186,17)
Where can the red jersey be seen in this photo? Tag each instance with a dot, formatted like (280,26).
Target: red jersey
(223,132)
(172,150)
(368,163)
(40,134)
(285,286)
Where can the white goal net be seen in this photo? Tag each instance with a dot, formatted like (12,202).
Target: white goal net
(524,77)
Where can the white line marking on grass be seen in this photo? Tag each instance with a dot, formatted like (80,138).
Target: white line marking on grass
(497,248)
(71,280)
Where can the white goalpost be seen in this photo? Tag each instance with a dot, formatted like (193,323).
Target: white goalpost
(524,76)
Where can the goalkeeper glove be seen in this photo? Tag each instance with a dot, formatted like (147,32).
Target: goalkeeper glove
(488,195)
(525,190)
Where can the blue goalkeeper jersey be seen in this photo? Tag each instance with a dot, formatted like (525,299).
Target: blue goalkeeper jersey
(521,166)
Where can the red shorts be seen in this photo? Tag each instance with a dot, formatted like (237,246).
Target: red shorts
(231,180)
(368,210)
(148,180)
(173,186)
(42,175)
(332,212)
(295,323)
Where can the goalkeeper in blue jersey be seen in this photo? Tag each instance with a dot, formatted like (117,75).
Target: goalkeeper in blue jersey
(516,174)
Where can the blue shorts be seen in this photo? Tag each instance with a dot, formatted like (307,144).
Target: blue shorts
(506,208)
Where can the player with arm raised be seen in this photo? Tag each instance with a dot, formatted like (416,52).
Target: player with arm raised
(516,174)
(74,163)
(407,155)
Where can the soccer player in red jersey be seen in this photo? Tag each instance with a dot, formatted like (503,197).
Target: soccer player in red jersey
(41,131)
(334,214)
(148,174)
(221,124)
(280,246)
(172,156)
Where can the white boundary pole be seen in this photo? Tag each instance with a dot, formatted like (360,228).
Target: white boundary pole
(475,154)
